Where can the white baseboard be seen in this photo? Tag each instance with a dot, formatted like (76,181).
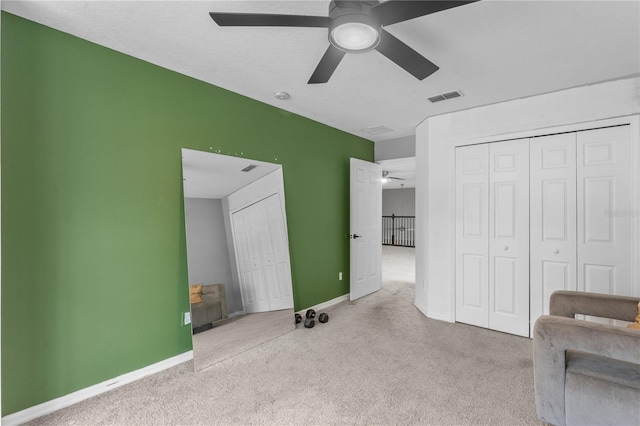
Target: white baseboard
(236,314)
(434,315)
(421,309)
(326,304)
(48,407)
(440,316)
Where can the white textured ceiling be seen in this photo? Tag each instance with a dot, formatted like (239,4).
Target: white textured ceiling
(210,175)
(492,51)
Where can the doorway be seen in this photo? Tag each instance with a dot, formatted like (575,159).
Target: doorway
(398,264)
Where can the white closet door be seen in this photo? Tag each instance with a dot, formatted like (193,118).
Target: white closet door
(263,256)
(472,233)
(509,237)
(553,219)
(251,274)
(278,268)
(604,206)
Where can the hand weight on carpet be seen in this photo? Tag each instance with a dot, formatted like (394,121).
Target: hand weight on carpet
(309,321)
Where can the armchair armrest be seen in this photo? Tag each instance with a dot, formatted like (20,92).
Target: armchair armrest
(569,303)
(553,336)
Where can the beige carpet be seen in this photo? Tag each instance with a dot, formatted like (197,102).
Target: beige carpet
(377,361)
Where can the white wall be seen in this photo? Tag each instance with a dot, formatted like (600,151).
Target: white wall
(400,202)
(395,148)
(207,254)
(436,139)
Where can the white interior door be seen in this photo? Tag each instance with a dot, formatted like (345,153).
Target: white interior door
(604,210)
(472,235)
(553,219)
(365,228)
(509,237)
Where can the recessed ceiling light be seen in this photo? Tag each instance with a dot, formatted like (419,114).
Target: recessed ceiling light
(283,96)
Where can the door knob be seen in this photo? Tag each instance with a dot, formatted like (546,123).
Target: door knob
(354,236)
(556,251)
(505,248)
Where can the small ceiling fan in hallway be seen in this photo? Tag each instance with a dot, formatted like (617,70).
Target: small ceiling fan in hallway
(385,177)
(355,26)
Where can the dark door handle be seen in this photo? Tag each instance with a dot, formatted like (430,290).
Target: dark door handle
(354,236)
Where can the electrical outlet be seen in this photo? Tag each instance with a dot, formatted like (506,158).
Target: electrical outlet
(187,318)
(340,276)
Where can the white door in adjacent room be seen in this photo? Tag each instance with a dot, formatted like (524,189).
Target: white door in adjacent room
(365,228)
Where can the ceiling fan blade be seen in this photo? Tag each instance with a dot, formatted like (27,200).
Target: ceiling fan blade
(394,11)
(327,65)
(268,20)
(405,57)
(396,178)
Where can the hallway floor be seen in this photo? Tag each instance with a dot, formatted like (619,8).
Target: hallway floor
(398,264)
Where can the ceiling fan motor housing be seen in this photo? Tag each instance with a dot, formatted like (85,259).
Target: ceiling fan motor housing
(350,12)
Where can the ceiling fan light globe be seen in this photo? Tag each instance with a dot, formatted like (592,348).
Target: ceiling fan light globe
(354,37)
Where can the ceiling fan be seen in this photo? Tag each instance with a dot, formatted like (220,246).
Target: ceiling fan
(355,26)
(385,175)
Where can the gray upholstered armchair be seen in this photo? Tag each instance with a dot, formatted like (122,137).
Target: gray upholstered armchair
(586,372)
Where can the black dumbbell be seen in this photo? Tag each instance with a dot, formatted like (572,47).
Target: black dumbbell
(323,318)
(309,323)
(310,313)
(298,318)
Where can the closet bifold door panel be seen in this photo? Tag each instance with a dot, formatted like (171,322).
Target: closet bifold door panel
(261,246)
(277,267)
(604,206)
(246,224)
(538,215)
(553,219)
(509,237)
(472,235)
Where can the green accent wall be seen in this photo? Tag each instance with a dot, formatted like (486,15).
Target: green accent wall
(94,278)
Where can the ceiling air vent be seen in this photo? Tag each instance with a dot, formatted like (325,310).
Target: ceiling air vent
(445,96)
(378,130)
(249,168)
